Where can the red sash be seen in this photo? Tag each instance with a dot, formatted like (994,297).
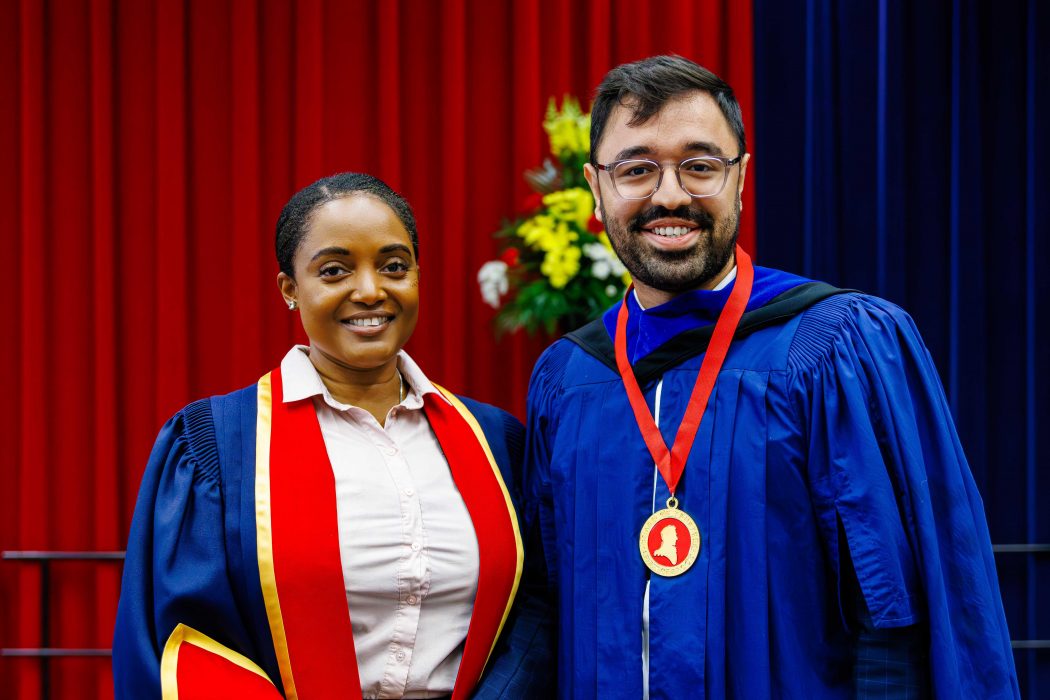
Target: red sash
(196,667)
(495,524)
(298,543)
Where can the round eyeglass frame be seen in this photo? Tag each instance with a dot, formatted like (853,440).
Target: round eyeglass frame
(727,162)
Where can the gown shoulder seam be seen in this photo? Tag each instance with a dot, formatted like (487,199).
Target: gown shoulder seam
(199,433)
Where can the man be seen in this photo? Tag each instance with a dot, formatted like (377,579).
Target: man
(829,540)
(668,544)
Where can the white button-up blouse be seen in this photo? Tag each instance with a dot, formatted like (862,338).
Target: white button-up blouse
(409,553)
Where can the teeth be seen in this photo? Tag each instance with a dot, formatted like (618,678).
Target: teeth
(372,321)
(670,231)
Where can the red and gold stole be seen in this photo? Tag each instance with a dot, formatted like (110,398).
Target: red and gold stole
(298,543)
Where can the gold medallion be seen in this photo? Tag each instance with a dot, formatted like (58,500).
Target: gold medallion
(669,541)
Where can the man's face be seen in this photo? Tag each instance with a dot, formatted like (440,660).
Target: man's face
(671,242)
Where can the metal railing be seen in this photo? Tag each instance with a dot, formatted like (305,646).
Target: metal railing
(46,652)
(1035,549)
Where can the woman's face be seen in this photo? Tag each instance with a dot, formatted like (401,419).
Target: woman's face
(356,282)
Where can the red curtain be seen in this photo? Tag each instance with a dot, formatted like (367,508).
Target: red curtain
(148,148)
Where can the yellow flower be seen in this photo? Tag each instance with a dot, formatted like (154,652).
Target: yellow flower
(573,205)
(568,129)
(544,232)
(561,265)
(533,229)
(558,242)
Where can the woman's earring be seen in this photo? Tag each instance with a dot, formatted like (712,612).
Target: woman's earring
(292,305)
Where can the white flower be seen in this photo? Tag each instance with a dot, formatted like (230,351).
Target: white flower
(492,278)
(605,262)
(610,291)
(595,251)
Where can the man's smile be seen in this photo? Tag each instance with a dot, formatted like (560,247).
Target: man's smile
(671,233)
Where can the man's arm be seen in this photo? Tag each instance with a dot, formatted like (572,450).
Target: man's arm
(890,664)
(889,478)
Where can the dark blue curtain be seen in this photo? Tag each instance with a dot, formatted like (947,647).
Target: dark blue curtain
(901,148)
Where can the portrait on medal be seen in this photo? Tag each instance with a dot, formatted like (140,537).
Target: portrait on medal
(669,542)
(668,548)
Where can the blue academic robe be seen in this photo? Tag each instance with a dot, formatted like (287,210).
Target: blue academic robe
(232,585)
(827,436)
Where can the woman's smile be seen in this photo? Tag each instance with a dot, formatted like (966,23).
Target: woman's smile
(368,324)
(357,288)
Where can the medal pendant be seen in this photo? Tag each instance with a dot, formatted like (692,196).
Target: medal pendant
(669,541)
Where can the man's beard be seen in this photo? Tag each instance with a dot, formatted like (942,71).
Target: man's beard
(675,270)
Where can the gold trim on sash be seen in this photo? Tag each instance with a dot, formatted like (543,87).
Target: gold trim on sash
(511,512)
(264,534)
(169,661)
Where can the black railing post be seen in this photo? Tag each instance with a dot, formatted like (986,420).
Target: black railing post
(45,627)
(44,652)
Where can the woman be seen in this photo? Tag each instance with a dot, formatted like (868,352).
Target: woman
(344,527)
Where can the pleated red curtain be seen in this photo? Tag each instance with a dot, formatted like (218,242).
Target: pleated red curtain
(147,150)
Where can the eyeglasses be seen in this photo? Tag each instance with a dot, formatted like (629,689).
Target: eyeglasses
(705,176)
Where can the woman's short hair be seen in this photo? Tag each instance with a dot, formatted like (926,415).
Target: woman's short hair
(295,218)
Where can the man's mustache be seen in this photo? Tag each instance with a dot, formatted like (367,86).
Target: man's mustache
(698,217)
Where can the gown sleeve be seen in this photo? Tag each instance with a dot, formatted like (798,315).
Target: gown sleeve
(893,492)
(178,631)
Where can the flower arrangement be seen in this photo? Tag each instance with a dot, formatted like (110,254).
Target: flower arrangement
(557,268)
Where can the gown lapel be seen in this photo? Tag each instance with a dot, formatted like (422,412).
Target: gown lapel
(495,523)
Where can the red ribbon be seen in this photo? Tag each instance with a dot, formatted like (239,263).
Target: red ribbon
(671,463)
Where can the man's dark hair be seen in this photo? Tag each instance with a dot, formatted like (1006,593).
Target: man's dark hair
(645,86)
(297,213)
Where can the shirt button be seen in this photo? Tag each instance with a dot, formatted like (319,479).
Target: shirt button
(415,546)
(390,450)
(412,600)
(409,492)
(400,656)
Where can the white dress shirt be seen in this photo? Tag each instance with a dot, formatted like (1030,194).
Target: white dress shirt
(730,276)
(409,553)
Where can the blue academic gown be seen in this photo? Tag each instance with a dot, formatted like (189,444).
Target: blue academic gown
(827,433)
(192,563)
